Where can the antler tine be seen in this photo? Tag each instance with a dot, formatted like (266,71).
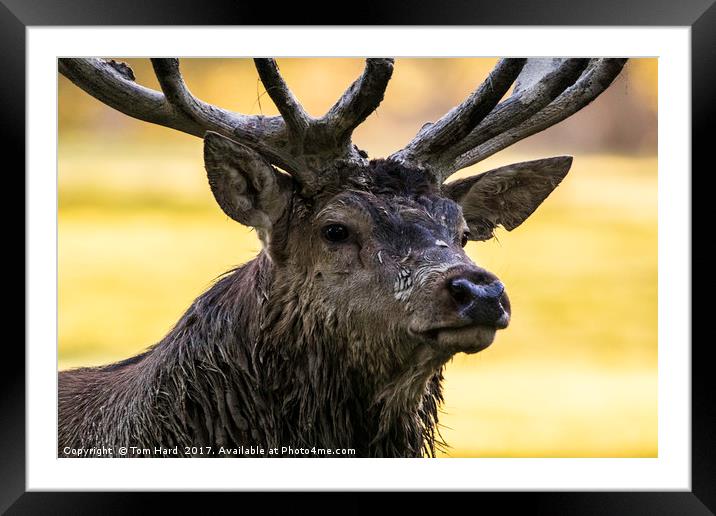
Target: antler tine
(184,104)
(315,141)
(355,105)
(530,103)
(113,83)
(596,78)
(175,90)
(329,135)
(321,141)
(360,99)
(460,121)
(523,104)
(290,108)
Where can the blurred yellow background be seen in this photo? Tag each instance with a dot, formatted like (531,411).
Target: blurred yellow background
(575,374)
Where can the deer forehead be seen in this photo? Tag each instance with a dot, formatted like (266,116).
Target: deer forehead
(392,212)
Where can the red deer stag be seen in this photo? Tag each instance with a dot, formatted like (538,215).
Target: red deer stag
(336,334)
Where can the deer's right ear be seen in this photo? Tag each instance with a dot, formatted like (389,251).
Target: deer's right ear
(247,188)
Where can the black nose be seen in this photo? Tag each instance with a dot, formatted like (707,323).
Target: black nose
(484,303)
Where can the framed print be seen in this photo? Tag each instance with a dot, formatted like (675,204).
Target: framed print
(274,242)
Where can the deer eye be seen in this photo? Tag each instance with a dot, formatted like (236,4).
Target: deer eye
(465,237)
(335,232)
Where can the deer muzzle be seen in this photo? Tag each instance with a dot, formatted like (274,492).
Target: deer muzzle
(467,307)
(482,304)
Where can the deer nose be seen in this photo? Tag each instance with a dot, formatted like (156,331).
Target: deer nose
(482,299)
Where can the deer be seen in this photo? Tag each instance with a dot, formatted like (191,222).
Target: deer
(336,335)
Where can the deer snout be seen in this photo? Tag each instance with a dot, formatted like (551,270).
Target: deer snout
(480,297)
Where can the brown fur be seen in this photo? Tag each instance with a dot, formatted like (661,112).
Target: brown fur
(310,344)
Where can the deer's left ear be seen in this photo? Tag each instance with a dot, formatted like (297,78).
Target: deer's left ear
(506,196)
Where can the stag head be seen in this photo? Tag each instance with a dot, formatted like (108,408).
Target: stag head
(371,252)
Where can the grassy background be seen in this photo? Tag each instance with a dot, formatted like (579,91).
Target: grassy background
(575,375)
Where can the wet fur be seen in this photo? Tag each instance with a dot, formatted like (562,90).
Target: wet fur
(258,360)
(310,344)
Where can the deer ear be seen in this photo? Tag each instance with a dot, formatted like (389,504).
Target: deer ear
(506,196)
(247,188)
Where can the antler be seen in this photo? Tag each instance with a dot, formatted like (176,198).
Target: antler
(547,92)
(301,145)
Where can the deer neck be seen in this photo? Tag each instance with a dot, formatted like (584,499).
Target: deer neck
(274,377)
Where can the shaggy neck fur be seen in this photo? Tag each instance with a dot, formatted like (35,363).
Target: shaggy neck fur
(245,367)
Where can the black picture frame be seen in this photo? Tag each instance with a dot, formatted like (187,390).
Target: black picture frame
(17,15)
